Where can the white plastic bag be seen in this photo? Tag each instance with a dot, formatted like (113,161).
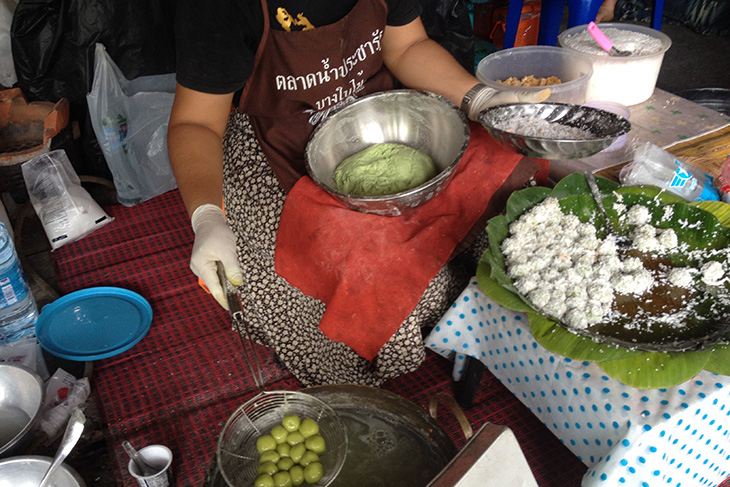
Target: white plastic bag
(66,210)
(63,393)
(656,166)
(130,121)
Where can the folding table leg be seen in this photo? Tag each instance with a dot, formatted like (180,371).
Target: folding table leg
(466,388)
(658,13)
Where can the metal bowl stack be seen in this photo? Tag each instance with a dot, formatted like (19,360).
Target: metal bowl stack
(424,121)
(604,128)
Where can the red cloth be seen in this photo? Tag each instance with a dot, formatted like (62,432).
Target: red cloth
(371,270)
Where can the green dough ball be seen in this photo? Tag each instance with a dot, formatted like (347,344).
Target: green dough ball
(266,443)
(315,443)
(309,427)
(313,473)
(285,464)
(308,457)
(297,451)
(294,438)
(282,479)
(297,475)
(291,422)
(264,481)
(279,433)
(283,449)
(267,468)
(270,456)
(383,169)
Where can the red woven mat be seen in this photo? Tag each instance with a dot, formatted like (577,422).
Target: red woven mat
(180,384)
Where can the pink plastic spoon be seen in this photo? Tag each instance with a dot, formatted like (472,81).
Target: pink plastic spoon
(603,41)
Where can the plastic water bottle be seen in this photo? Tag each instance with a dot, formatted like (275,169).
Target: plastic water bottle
(655,166)
(115,130)
(18,309)
(121,158)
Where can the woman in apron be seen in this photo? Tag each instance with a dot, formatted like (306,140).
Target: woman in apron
(294,62)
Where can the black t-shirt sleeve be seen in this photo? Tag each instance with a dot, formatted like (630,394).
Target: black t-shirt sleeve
(216,43)
(402,12)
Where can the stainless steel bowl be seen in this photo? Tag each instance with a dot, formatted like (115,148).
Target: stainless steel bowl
(21,397)
(605,127)
(28,470)
(424,121)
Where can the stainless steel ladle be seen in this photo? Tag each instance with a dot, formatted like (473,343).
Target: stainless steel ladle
(71,436)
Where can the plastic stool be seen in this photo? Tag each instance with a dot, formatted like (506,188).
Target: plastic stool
(551,15)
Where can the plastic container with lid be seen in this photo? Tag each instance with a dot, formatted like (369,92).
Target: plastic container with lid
(573,69)
(627,80)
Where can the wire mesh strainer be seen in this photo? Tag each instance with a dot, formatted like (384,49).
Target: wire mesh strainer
(237,454)
(238,458)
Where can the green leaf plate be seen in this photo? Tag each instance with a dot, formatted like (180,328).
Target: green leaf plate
(645,369)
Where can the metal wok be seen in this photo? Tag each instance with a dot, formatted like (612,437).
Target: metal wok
(391,441)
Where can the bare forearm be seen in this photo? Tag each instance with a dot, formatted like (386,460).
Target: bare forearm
(195,145)
(196,157)
(425,65)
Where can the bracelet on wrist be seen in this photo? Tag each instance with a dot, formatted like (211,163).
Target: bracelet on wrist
(470,95)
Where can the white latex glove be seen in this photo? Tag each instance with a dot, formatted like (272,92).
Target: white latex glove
(214,242)
(485,97)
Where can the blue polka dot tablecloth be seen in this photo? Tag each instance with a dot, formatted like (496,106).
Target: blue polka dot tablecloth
(675,437)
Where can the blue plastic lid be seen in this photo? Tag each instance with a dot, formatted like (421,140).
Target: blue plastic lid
(94,323)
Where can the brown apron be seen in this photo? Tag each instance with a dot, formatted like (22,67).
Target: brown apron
(300,76)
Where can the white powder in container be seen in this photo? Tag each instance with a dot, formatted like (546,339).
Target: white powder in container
(636,43)
(627,80)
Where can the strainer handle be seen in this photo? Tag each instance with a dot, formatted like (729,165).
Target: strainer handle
(239,321)
(455,409)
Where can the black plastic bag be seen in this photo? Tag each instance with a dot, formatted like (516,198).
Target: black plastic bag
(53,44)
(447,22)
(706,17)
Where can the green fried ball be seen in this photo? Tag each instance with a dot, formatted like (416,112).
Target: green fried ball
(297,475)
(296,452)
(291,422)
(315,443)
(269,468)
(265,480)
(308,457)
(294,438)
(270,456)
(285,464)
(265,443)
(282,479)
(279,433)
(309,427)
(313,473)
(283,449)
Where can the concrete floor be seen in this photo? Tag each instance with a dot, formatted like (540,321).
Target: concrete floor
(693,61)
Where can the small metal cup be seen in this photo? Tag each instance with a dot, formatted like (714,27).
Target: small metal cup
(159,457)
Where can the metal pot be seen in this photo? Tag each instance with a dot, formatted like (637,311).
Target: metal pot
(28,470)
(391,441)
(21,397)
